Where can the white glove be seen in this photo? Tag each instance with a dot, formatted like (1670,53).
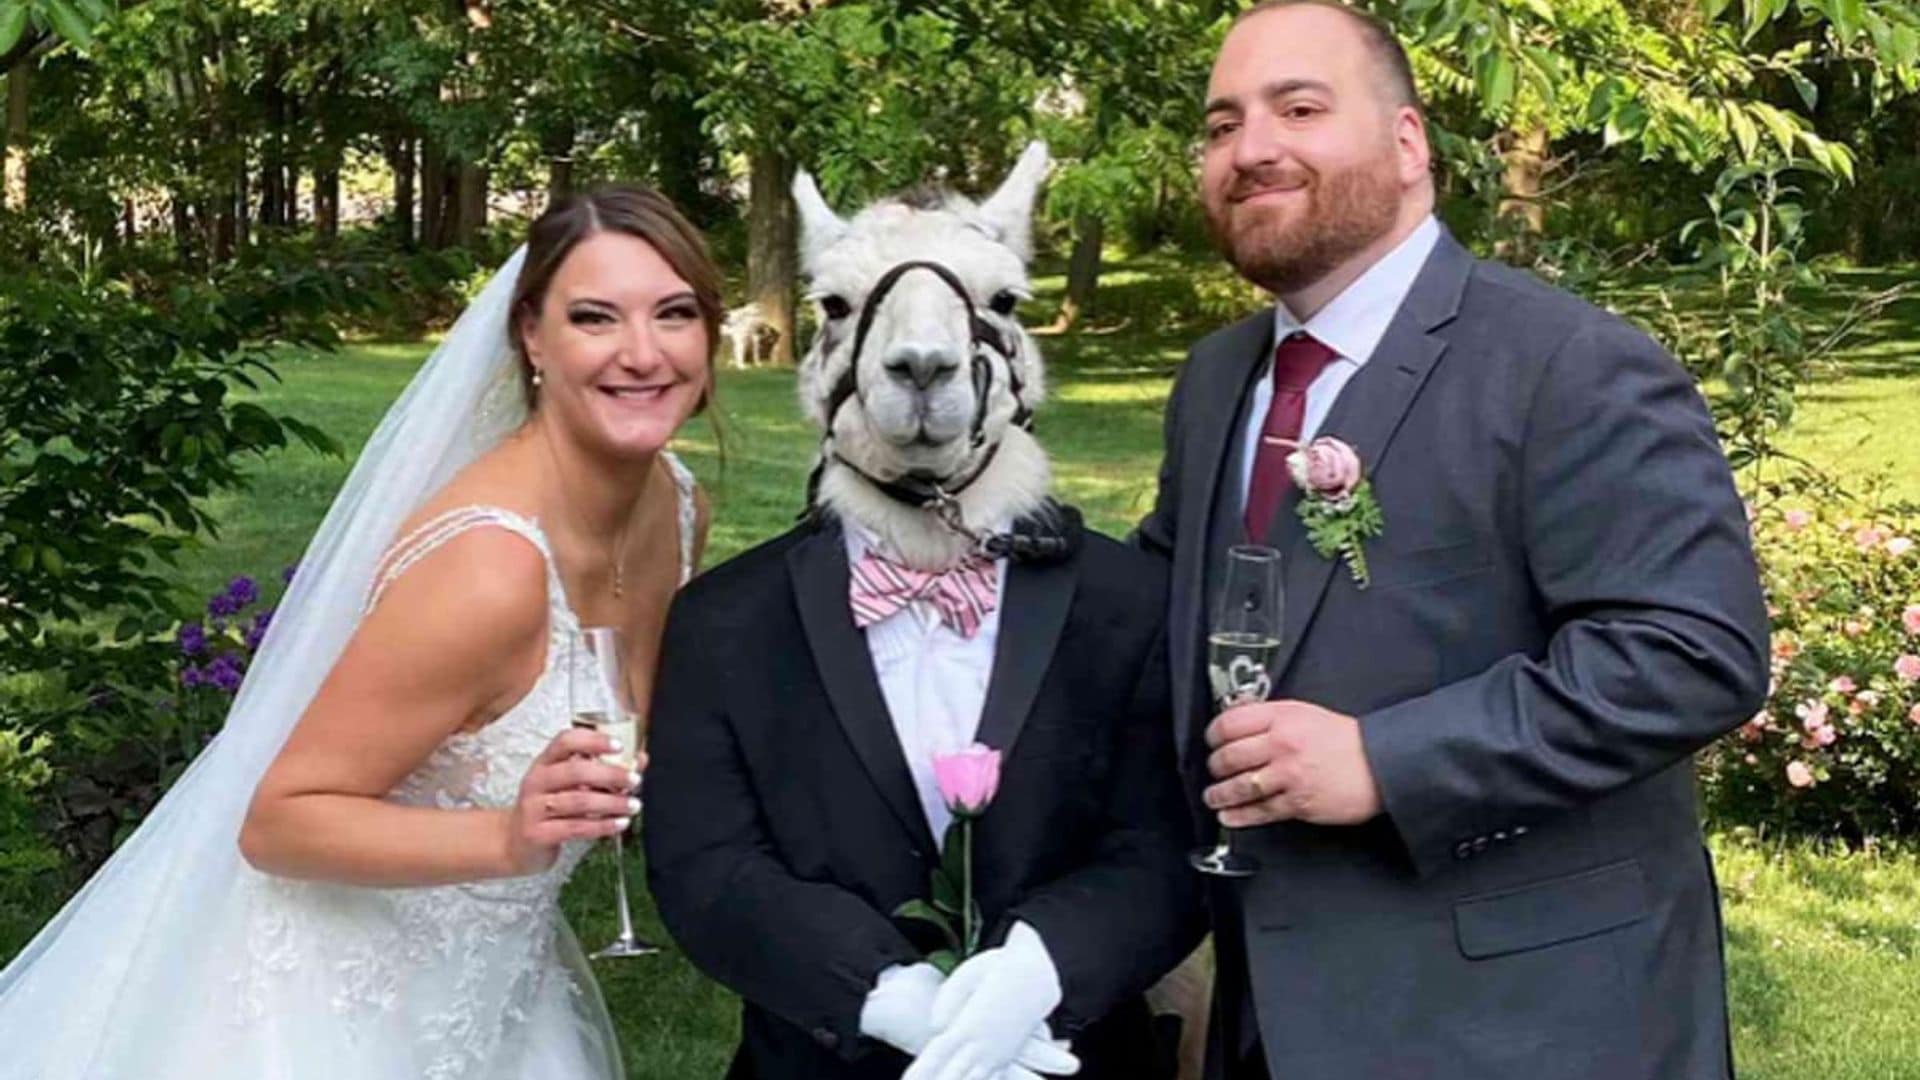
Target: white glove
(988,1012)
(899,1012)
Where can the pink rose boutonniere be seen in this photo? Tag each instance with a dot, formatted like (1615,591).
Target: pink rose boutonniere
(1336,502)
(968,781)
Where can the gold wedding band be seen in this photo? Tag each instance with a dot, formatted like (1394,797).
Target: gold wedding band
(547,805)
(1259,790)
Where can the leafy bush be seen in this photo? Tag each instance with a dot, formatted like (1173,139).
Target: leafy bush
(119,754)
(1837,748)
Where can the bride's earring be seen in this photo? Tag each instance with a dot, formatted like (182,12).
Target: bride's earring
(537,380)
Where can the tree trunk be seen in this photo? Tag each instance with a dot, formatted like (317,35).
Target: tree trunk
(557,144)
(1526,163)
(129,222)
(182,229)
(1083,269)
(242,206)
(771,237)
(221,224)
(326,199)
(433,195)
(399,150)
(471,204)
(14,193)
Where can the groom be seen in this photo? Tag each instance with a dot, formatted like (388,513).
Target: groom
(1470,795)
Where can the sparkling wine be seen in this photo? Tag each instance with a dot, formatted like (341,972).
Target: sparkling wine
(623,727)
(1240,666)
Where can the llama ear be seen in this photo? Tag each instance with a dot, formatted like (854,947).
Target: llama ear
(1009,211)
(819,225)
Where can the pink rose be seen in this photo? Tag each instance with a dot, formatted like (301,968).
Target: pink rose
(1799,775)
(1910,618)
(1867,698)
(1826,736)
(968,779)
(1907,667)
(1869,537)
(1842,685)
(1899,546)
(1853,628)
(1913,714)
(1326,467)
(1798,519)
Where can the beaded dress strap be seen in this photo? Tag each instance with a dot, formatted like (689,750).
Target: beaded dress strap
(437,531)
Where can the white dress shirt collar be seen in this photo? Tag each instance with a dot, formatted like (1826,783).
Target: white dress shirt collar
(1352,323)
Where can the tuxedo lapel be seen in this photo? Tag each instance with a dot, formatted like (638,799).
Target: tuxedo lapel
(1031,618)
(818,569)
(1366,416)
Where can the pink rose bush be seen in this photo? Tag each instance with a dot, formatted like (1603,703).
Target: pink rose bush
(1836,750)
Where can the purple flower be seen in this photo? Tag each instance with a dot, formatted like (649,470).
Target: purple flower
(258,631)
(191,677)
(224,672)
(286,575)
(242,591)
(221,606)
(192,638)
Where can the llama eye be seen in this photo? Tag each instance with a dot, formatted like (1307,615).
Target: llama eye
(835,307)
(1004,302)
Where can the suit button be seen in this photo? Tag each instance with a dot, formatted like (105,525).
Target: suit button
(826,1038)
(1479,843)
(1500,837)
(1519,831)
(1463,849)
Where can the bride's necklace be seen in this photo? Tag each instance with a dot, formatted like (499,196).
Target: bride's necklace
(619,555)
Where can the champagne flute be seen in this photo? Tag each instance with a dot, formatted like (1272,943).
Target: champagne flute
(1242,649)
(601,697)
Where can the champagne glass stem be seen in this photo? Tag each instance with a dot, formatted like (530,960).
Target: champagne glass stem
(620,883)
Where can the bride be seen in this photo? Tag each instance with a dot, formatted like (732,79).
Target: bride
(359,876)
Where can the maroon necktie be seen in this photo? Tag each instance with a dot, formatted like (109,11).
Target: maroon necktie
(1297,361)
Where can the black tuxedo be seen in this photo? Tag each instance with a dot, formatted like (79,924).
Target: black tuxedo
(783,826)
(1564,606)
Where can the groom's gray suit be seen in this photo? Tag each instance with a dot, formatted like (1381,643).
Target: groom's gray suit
(1563,608)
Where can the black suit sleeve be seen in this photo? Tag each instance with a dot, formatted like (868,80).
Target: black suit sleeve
(1637,546)
(1155,533)
(807,951)
(1134,908)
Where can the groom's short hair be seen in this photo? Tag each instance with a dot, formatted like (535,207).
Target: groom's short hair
(1388,53)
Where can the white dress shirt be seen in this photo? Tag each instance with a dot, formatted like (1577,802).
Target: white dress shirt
(934,681)
(1351,324)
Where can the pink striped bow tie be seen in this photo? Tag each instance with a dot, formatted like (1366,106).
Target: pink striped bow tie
(963,595)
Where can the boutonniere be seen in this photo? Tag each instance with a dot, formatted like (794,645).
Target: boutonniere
(1336,502)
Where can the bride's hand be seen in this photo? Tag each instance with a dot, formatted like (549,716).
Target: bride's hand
(568,794)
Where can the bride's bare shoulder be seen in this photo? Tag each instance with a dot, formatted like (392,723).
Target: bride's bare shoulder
(501,478)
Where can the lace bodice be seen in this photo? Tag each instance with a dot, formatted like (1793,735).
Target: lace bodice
(466,963)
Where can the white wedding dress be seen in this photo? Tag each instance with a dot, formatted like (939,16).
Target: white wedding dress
(180,961)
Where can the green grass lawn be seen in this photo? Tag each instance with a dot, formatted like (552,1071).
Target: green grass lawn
(1822,944)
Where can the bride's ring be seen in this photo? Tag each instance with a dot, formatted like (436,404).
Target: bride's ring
(1259,789)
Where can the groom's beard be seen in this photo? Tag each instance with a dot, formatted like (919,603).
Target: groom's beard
(1287,248)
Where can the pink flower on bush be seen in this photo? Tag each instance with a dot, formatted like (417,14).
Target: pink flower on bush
(1326,466)
(1826,736)
(1797,520)
(1913,715)
(1907,668)
(1785,648)
(1910,618)
(1853,628)
(1869,537)
(1844,684)
(1899,546)
(1812,714)
(1755,729)
(967,779)
(1799,775)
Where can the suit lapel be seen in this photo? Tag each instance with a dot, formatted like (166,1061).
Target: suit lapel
(1031,618)
(1230,367)
(1367,415)
(818,568)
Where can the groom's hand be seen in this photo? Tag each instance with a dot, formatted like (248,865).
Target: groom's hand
(1289,761)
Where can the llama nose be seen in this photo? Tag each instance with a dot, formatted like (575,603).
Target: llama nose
(921,367)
